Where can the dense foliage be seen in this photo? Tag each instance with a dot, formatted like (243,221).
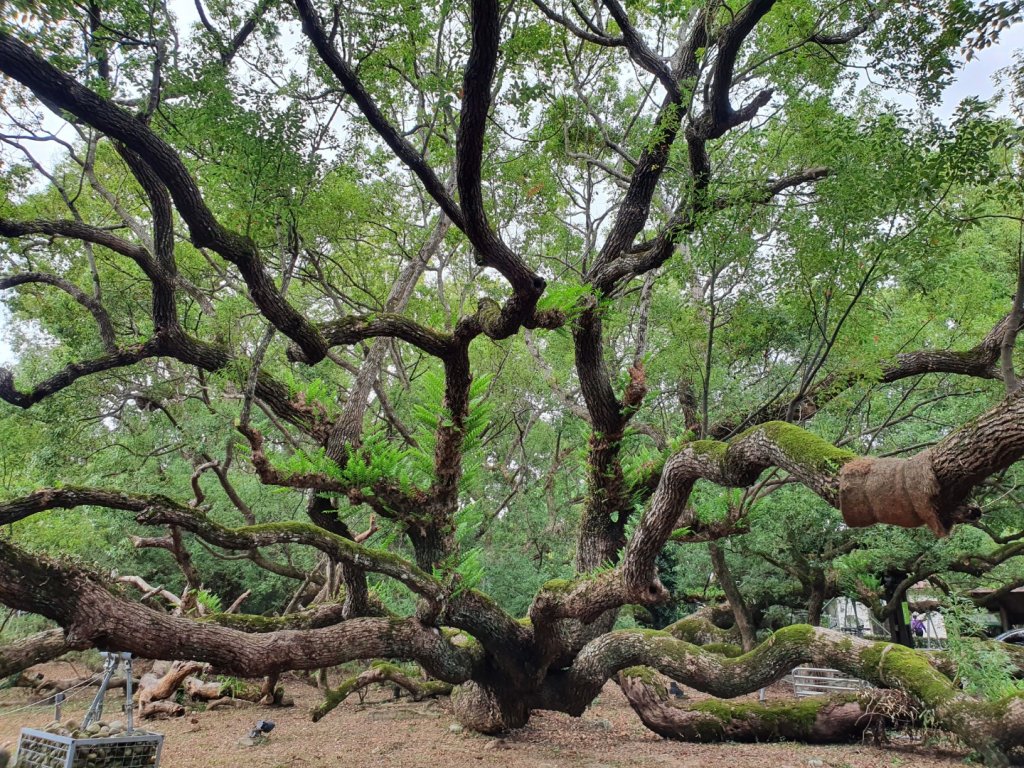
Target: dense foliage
(479,280)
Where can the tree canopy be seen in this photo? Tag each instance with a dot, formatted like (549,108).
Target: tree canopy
(446,332)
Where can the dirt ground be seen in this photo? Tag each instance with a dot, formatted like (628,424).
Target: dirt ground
(380,732)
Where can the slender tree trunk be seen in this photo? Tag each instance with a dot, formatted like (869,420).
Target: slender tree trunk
(899,628)
(816,601)
(740,611)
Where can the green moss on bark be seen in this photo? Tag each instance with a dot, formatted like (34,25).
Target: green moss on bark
(648,676)
(557,585)
(786,720)
(895,665)
(729,650)
(803,447)
(712,449)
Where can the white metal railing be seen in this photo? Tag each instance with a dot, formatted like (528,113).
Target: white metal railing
(818,681)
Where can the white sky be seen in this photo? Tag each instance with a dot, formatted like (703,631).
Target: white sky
(975,79)
(6,353)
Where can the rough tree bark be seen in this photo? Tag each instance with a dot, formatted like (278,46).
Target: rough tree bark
(154,691)
(562,656)
(36,649)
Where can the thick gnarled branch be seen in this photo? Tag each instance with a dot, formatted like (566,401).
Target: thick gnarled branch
(927,489)
(91,614)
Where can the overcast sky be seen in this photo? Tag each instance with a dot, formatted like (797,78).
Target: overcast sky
(976,79)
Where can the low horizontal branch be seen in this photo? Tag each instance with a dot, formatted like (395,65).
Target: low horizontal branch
(985,726)
(92,615)
(36,649)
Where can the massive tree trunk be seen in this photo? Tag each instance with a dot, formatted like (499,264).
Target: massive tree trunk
(487,709)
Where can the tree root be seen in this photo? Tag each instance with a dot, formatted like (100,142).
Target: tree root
(158,709)
(381,672)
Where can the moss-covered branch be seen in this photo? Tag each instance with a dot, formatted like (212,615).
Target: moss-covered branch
(160,510)
(294,532)
(381,672)
(924,490)
(91,614)
(991,728)
(816,720)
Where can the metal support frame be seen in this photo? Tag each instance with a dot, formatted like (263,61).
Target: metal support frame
(111,662)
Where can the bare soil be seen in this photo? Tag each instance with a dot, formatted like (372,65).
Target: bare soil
(406,734)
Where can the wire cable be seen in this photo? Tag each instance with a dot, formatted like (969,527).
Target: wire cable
(48,701)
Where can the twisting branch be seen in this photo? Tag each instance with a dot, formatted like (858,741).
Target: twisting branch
(83,232)
(491,251)
(106,327)
(640,52)
(353,329)
(165,307)
(606,41)
(980,361)
(636,204)
(58,90)
(469,216)
(229,49)
(90,614)
(160,510)
(385,496)
(380,672)
(851,33)
(73,372)
(403,149)
(721,116)
(927,489)
(884,664)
